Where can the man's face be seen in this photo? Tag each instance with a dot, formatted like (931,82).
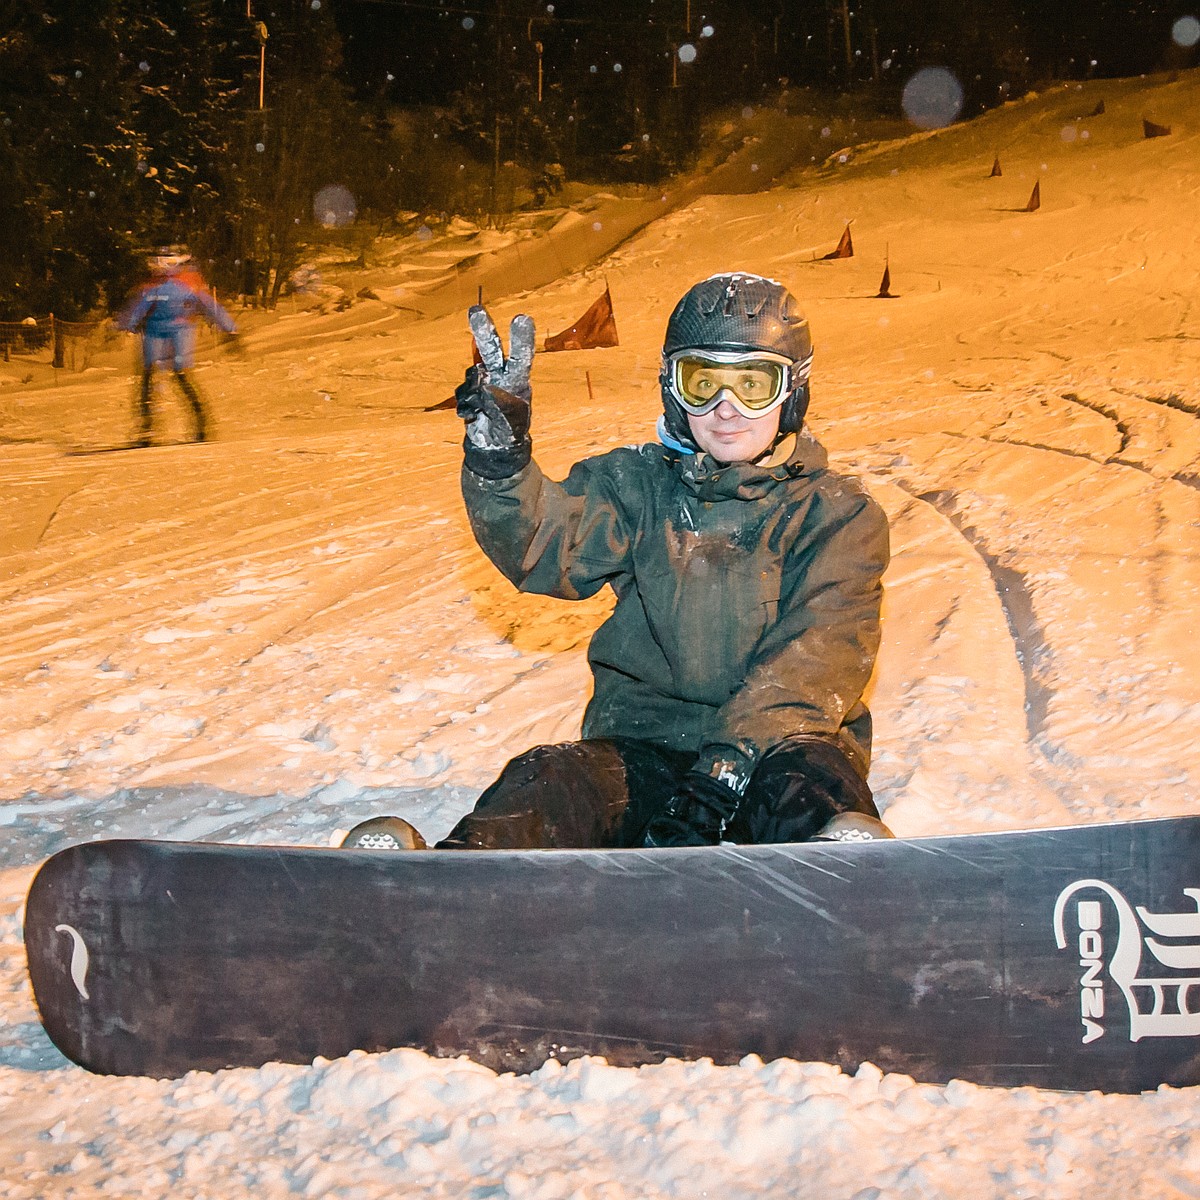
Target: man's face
(731,437)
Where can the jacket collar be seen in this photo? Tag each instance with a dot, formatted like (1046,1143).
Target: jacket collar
(712,480)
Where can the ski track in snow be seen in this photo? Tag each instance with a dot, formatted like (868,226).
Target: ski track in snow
(270,637)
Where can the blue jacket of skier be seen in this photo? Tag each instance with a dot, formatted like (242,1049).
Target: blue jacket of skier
(165,310)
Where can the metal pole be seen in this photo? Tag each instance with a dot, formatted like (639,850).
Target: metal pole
(502,70)
(496,163)
(846,31)
(260,32)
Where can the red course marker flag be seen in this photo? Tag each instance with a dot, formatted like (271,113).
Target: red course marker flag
(596,328)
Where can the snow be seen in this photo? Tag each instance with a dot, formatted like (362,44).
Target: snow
(271,637)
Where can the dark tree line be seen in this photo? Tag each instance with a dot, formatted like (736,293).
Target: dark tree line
(418,50)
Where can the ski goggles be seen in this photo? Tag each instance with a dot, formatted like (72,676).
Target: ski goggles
(754,382)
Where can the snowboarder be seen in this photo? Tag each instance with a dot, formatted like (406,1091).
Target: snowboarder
(164,309)
(728,679)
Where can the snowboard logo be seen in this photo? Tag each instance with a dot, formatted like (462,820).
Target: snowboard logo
(1157,994)
(79,958)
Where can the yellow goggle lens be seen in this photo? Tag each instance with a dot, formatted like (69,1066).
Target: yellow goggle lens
(758,383)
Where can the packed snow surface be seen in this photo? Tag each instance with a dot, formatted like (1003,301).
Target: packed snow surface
(270,637)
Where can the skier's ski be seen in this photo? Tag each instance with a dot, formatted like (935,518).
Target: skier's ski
(1065,958)
(120,447)
(87,451)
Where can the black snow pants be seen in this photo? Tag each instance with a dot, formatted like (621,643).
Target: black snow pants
(603,792)
(145,412)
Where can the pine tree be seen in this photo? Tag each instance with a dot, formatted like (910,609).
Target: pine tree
(68,204)
(279,156)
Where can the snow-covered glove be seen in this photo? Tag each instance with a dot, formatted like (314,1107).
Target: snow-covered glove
(495,398)
(696,815)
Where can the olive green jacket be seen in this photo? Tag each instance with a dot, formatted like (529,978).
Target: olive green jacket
(747,596)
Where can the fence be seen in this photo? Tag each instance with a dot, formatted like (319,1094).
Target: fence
(64,344)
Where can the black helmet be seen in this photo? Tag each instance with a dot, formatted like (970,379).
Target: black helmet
(738,312)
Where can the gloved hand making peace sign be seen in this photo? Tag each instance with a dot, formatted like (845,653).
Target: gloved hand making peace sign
(494,398)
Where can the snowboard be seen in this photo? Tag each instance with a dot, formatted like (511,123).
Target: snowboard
(1064,958)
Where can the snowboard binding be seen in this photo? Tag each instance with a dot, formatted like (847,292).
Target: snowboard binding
(852,827)
(384,833)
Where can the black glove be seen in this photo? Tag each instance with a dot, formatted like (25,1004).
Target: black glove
(234,344)
(495,398)
(696,815)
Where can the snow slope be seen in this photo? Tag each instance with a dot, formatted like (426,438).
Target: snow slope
(273,636)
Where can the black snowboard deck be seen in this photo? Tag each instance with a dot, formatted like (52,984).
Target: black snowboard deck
(1064,958)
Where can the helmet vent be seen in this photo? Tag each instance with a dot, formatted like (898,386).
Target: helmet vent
(738,298)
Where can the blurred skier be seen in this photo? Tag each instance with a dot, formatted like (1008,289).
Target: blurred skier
(164,310)
(728,679)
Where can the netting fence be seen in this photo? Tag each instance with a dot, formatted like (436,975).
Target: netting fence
(63,344)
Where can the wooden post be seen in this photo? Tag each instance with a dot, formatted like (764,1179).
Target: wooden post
(56,335)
